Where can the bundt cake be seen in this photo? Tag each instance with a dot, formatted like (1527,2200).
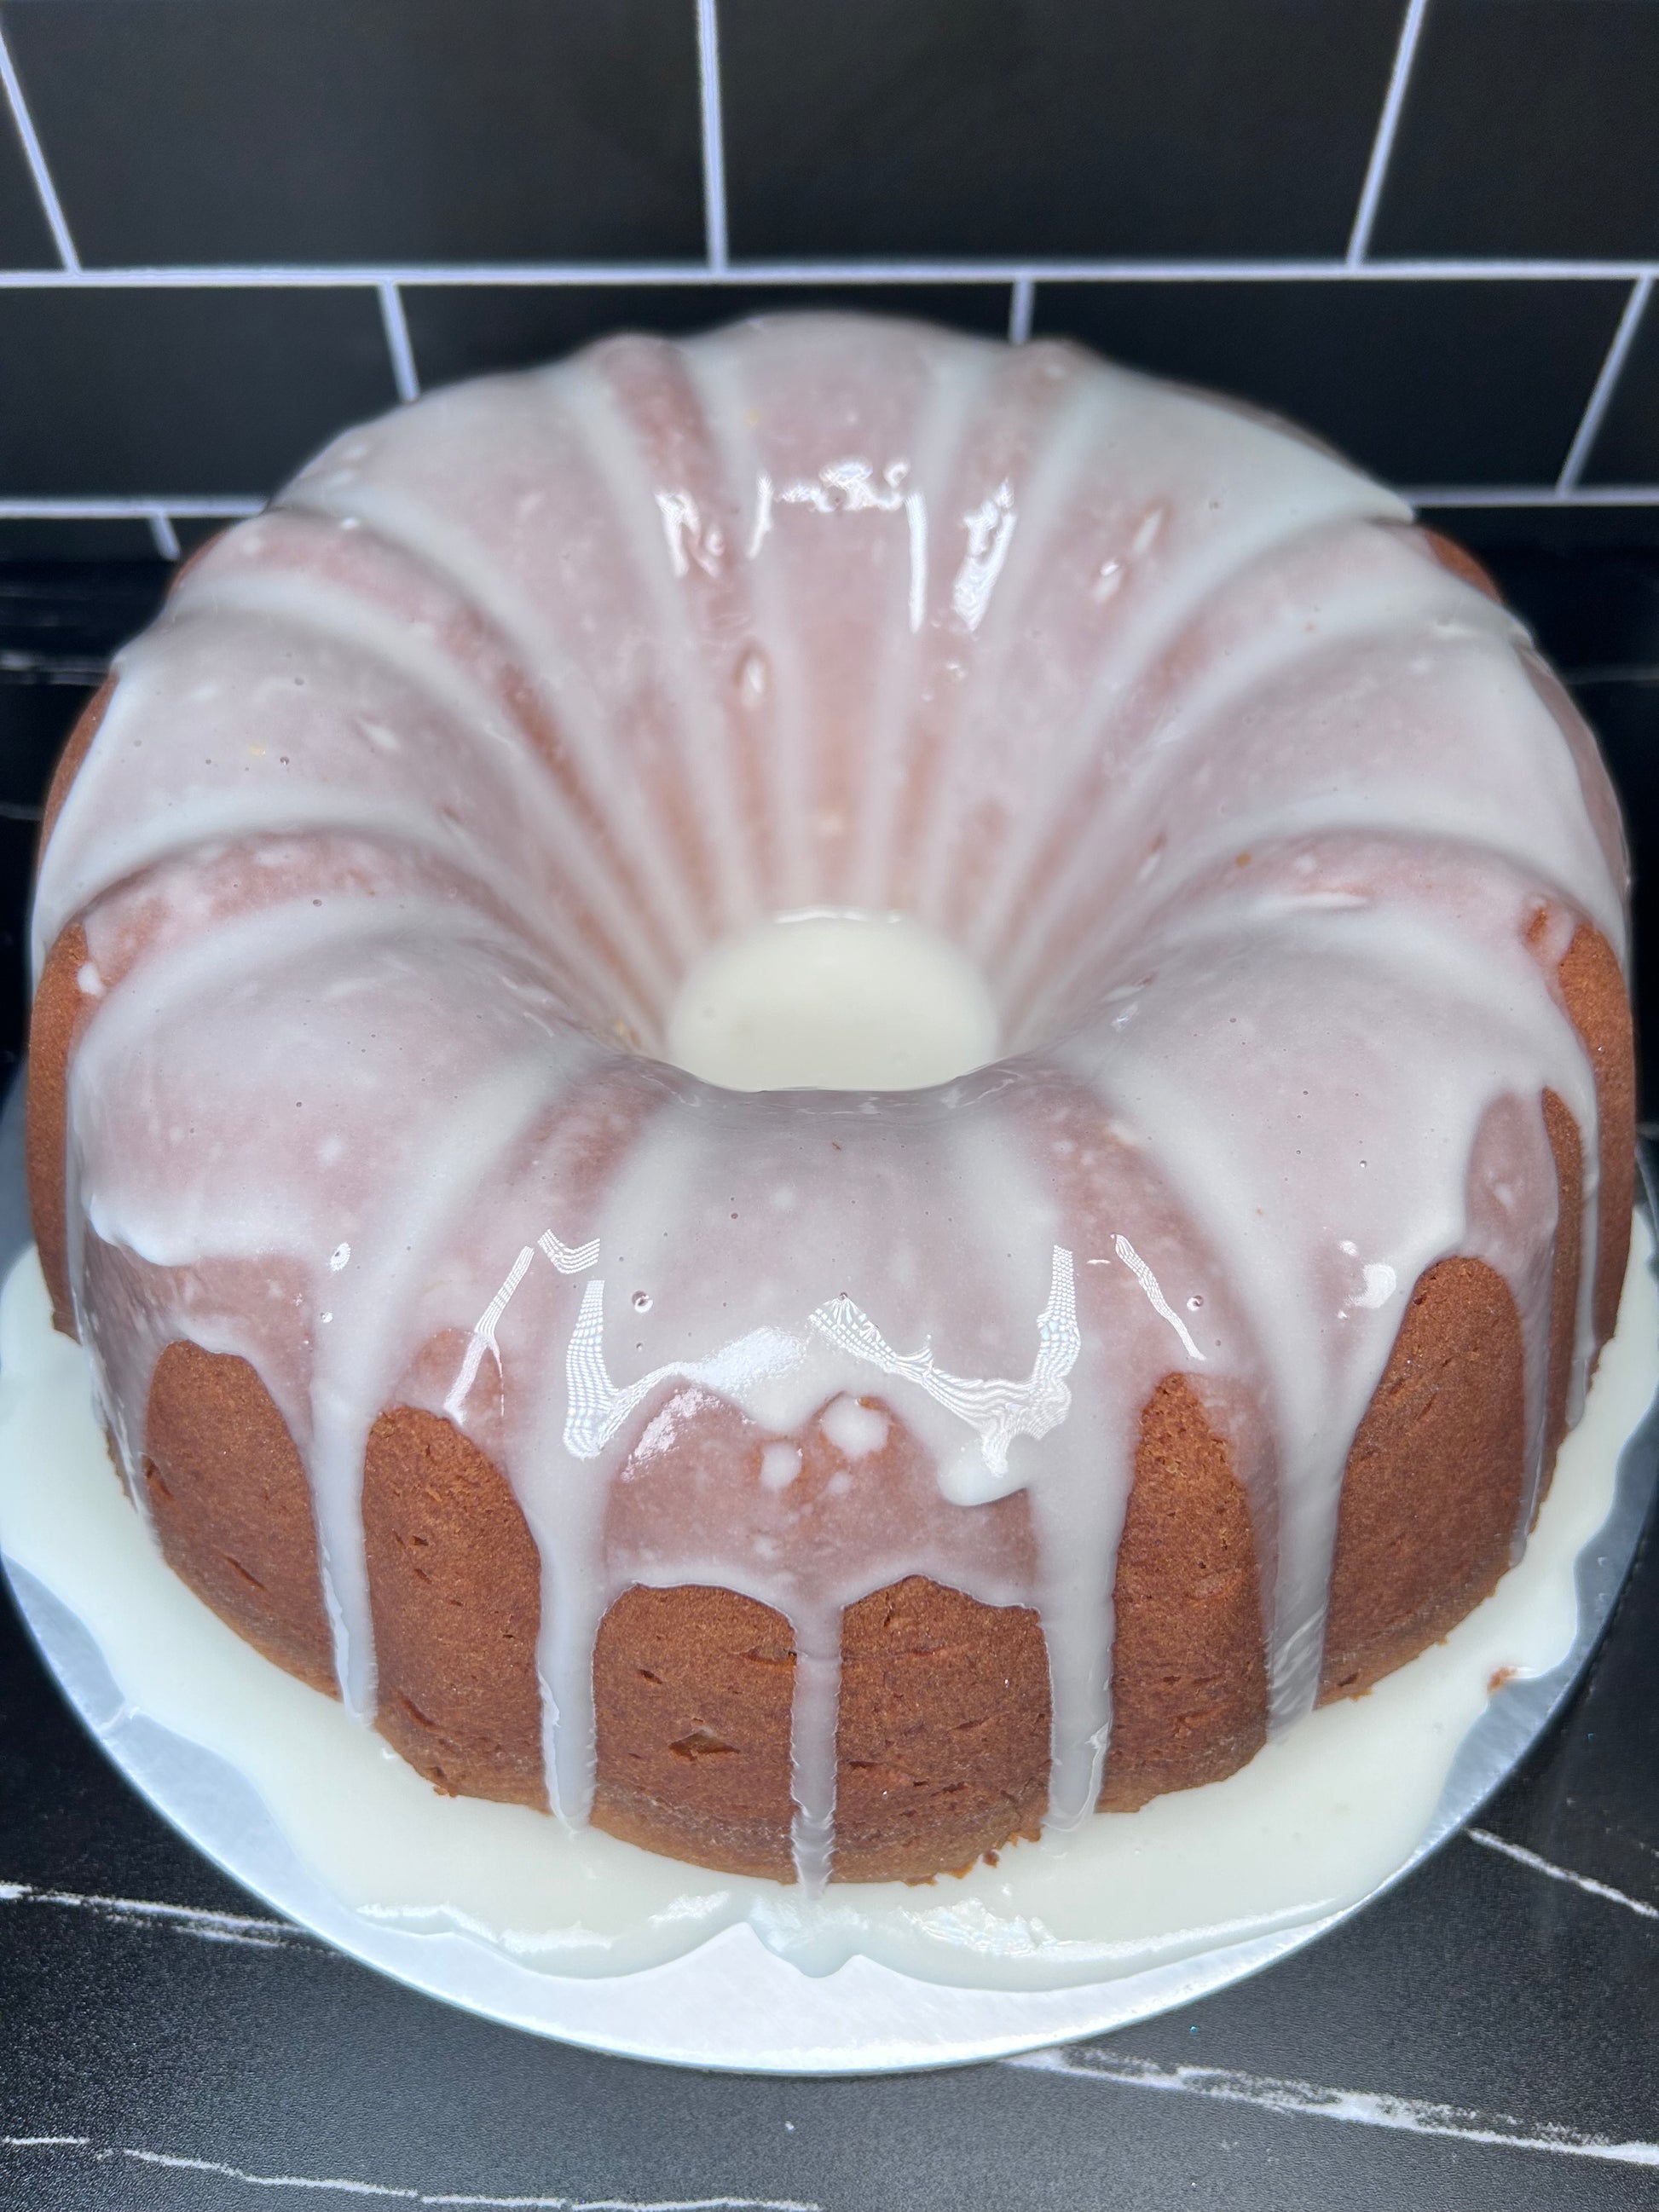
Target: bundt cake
(833,1481)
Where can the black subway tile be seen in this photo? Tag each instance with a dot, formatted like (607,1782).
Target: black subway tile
(1528,130)
(1431,382)
(1593,533)
(1626,451)
(962,127)
(77,537)
(60,622)
(153,390)
(34,720)
(465,329)
(17,844)
(1593,609)
(75,612)
(367,130)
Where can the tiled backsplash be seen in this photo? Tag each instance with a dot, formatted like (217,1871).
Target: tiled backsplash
(1427,227)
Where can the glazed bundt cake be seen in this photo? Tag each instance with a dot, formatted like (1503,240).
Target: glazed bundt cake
(833,1481)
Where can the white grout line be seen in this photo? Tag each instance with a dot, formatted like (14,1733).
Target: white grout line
(1294,2099)
(328,2185)
(1545,495)
(1022,303)
(396,324)
(121,508)
(1601,396)
(1376,168)
(713,136)
(343,276)
(1522,1857)
(34,155)
(261,1933)
(166,537)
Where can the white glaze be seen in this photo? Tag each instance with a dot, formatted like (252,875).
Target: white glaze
(526,705)
(1314,1823)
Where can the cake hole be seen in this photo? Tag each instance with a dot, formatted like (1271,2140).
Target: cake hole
(833,1001)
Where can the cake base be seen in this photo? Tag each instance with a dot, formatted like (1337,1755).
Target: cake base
(495,1908)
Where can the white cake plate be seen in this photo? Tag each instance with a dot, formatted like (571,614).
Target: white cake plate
(731,2001)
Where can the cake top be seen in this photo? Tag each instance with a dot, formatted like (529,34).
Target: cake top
(1256,834)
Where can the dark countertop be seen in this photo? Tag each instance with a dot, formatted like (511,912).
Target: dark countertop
(1482,2038)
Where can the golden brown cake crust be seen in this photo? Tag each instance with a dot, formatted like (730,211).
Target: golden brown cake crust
(1189,1669)
(692,1690)
(1431,1495)
(944,1732)
(231,1506)
(942,1745)
(455,1593)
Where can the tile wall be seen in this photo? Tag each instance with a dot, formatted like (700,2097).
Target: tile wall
(1428,227)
